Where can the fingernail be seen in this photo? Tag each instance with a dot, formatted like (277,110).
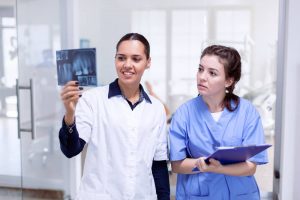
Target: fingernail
(80,95)
(76,83)
(80,88)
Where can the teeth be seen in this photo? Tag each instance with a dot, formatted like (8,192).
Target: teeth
(127,73)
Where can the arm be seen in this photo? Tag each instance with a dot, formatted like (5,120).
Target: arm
(239,169)
(70,142)
(161,179)
(184,166)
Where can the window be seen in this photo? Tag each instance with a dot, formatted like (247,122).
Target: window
(152,24)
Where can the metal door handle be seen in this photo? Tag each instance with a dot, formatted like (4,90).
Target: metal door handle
(32,118)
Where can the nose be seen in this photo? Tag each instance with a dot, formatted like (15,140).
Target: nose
(127,63)
(202,76)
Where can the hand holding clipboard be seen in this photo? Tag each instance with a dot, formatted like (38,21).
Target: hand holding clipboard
(237,154)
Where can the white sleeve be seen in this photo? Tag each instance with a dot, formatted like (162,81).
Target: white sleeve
(161,152)
(84,118)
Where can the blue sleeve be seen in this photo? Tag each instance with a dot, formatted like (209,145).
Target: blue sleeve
(177,136)
(254,134)
(70,143)
(161,179)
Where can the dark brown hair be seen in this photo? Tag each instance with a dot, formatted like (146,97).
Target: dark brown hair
(231,60)
(139,37)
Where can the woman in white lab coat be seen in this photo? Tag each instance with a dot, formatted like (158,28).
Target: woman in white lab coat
(125,129)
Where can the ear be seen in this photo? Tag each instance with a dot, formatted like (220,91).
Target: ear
(228,82)
(148,63)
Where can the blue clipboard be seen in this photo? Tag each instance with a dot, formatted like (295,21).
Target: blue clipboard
(237,154)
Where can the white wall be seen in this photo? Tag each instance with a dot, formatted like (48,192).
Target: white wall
(290,164)
(265,29)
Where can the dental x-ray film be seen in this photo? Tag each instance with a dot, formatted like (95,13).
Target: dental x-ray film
(78,65)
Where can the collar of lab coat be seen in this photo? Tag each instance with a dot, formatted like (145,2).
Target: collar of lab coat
(114,90)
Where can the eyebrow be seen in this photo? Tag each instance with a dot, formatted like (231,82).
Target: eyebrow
(210,68)
(120,54)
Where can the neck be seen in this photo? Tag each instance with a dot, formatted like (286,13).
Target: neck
(132,92)
(214,104)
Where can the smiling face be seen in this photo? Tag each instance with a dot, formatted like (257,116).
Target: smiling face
(211,81)
(131,62)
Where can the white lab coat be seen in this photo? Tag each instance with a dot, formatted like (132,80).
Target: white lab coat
(122,144)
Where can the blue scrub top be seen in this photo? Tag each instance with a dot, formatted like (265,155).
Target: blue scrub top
(194,133)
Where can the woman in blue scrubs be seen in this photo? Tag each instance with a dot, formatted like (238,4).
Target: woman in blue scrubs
(217,117)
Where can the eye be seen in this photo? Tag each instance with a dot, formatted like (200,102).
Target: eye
(120,58)
(136,59)
(212,73)
(200,69)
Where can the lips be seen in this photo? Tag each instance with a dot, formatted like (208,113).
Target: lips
(127,74)
(200,86)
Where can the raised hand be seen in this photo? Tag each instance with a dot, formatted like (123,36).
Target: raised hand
(70,94)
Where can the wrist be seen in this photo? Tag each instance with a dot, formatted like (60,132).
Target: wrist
(70,126)
(69,119)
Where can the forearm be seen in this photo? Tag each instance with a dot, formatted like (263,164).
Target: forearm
(70,142)
(239,169)
(161,179)
(184,166)
(69,118)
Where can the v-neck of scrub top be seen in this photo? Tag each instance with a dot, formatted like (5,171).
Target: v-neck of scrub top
(216,115)
(217,128)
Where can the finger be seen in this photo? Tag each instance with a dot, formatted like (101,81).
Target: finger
(73,99)
(71,94)
(69,88)
(70,91)
(201,164)
(197,164)
(72,83)
(202,161)
(214,162)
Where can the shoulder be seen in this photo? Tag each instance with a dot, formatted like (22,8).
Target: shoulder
(188,106)
(92,95)
(96,91)
(155,103)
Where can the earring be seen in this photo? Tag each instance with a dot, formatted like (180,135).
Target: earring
(226,91)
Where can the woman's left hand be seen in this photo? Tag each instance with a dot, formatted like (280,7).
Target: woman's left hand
(213,165)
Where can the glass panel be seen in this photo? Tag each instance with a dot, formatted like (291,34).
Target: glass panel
(45,171)
(10,165)
(233,28)
(188,32)
(152,24)
(9,21)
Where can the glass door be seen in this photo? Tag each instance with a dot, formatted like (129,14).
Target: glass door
(10,161)
(45,171)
